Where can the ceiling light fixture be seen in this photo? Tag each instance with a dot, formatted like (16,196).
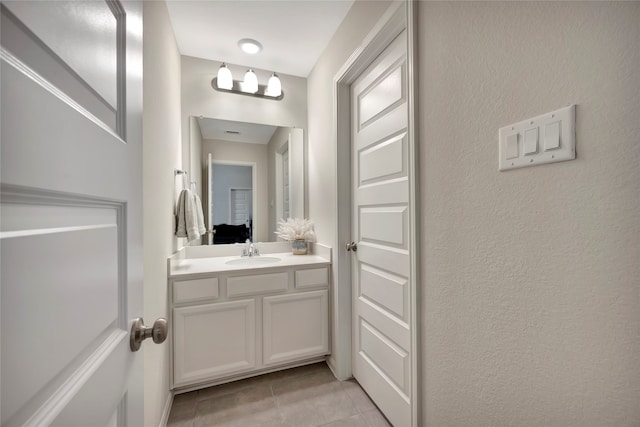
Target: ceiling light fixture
(250,46)
(249,86)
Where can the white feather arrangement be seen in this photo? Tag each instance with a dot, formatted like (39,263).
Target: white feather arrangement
(296,229)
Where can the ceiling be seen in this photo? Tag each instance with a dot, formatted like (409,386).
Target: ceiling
(293,33)
(226,130)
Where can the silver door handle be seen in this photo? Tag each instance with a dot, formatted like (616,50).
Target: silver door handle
(351,247)
(139,332)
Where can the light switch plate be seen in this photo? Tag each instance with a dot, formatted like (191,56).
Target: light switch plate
(559,145)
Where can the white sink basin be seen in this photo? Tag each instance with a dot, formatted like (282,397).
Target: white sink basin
(251,261)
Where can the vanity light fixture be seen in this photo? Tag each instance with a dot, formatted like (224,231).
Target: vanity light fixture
(225,79)
(250,82)
(224,82)
(274,86)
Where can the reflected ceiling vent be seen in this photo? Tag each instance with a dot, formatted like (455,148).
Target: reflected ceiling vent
(232,132)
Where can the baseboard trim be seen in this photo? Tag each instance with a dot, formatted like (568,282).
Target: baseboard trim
(167,410)
(331,363)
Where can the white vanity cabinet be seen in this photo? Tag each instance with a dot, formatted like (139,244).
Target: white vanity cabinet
(233,324)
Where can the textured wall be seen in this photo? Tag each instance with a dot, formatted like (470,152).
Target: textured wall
(531,277)
(161,155)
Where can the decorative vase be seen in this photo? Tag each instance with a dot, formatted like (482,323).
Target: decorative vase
(299,247)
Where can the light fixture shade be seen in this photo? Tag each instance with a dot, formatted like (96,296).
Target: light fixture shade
(225,79)
(250,83)
(274,87)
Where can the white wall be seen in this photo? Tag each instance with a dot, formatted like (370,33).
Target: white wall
(531,277)
(362,16)
(161,155)
(225,151)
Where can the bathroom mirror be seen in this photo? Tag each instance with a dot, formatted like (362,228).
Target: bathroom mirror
(253,174)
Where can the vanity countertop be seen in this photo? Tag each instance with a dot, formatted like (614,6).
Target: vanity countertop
(179,268)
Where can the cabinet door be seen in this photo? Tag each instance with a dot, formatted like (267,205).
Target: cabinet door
(213,340)
(295,326)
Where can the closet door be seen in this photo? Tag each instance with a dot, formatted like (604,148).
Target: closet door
(240,209)
(71,226)
(380,225)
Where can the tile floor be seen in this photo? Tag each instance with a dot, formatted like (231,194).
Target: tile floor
(308,396)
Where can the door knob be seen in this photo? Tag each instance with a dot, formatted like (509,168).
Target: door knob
(139,332)
(351,247)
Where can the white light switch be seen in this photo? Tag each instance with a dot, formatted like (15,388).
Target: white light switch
(512,146)
(530,141)
(552,136)
(547,138)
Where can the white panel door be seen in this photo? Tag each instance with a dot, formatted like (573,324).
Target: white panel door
(380,226)
(71,225)
(240,201)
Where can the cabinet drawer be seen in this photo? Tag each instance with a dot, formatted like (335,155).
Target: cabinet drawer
(312,277)
(195,290)
(257,284)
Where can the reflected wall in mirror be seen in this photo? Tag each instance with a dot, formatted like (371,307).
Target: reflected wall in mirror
(253,176)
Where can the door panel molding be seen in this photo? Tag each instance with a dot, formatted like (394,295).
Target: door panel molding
(52,400)
(37,79)
(382,161)
(386,290)
(82,344)
(62,63)
(377,347)
(383,88)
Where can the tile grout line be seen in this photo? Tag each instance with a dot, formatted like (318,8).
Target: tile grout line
(275,399)
(353,402)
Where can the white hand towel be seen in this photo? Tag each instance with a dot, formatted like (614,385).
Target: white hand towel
(181,224)
(187,216)
(201,228)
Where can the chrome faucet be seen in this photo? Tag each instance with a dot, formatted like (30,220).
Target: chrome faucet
(250,249)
